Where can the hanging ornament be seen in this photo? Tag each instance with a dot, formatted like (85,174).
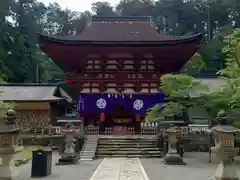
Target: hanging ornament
(68,81)
(109,95)
(78,115)
(116,96)
(130,95)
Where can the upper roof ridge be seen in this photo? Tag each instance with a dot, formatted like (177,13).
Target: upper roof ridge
(121,18)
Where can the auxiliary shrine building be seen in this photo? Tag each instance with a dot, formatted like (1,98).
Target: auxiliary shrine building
(116,64)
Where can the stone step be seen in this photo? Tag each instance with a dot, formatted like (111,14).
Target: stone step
(127,140)
(122,143)
(88,152)
(89,148)
(130,156)
(128,149)
(128,145)
(130,137)
(125,143)
(127,152)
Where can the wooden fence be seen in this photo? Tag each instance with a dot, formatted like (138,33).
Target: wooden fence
(147,129)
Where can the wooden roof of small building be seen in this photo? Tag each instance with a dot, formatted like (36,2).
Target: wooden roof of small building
(32,92)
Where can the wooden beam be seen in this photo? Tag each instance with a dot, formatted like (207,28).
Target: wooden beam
(119,86)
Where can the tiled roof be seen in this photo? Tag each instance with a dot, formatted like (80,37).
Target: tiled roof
(31,93)
(121,29)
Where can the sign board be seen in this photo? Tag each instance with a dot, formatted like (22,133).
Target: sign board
(6,141)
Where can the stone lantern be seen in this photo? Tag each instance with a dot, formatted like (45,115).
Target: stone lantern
(8,145)
(225,151)
(68,152)
(223,135)
(172,157)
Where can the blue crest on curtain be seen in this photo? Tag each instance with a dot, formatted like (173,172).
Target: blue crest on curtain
(136,103)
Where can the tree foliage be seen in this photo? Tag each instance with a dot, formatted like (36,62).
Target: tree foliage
(228,97)
(4,106)
(181,92)
(184,91)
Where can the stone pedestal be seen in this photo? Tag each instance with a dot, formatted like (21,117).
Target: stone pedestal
(7,169)
(8,146)
(226,169)
(225,151)
(172,157)
(69,154)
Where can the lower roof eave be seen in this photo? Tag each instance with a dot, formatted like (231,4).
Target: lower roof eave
(46,39)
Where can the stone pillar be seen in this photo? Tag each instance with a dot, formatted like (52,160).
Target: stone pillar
(225,151)
(172,157)
(8,146)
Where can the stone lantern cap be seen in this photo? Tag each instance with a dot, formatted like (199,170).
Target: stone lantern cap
(69,128)
(173,130)
(223,129)
(9,125)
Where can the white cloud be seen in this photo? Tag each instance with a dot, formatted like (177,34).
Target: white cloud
(77,5)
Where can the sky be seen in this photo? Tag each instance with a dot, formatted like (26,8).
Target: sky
(77,5)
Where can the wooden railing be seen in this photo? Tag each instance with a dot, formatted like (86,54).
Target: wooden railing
(42,131)
(131,130)
(147,129)
(91,129)
(108,130)
(193,128)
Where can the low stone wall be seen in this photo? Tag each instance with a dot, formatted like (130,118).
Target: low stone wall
(54,141)
(42,141)
(195,143)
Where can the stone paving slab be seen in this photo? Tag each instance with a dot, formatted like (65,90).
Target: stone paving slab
(81,171)
(196,168)
(120,169)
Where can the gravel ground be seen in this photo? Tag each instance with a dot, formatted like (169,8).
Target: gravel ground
(81,171)
(197,168)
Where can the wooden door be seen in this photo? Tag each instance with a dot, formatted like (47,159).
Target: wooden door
(119,130)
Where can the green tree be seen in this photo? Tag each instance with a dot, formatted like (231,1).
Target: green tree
(103,9)
(228,96)
(195,64)
(182,92)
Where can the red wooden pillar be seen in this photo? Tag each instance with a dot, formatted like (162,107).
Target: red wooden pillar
(138,118)
(78,115)
(102,123)
(138,124)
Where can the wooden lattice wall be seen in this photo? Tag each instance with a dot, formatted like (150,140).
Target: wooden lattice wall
(33,114)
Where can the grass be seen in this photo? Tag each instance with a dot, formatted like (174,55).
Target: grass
(26,153)
(23,156)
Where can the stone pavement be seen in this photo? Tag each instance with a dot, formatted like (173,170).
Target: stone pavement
(120,169)
(81,171)
(197,168)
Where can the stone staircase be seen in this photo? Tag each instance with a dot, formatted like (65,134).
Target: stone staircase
(128,147)
(89,148)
